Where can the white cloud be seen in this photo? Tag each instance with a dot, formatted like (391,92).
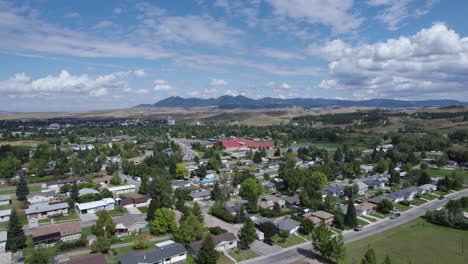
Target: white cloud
(162,85)
(282,55)
(104,24)
(118,10)
(338,14)
(219,82)
(99,92)
(72,15)
(139,72)
(429,64)
(285,86)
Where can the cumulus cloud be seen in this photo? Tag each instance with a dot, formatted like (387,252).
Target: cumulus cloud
(139,72)
(64,83)
(219,82)
(162,85)
(338,14)
(429,64)
(285,86)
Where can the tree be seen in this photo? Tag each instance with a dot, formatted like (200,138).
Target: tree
(217,193)
(142,242)
(251,190)
(144,185)
(164,221)
(181,170)
(257,158)
(39,256)
(328,246)
(74,194)
(277,208)
(105,226)
(424,178)
(369,257)
(385,206)
(190,230)
(116,180)
(15,237)
(350,217)
(22,189)
(268,229)
(240,215)
(338,156)
(247,233)
(351,191)
(208,253)
(307,226)
(277,152)
(102,244)
(196,211)
(153,206)
(160,189)
(387,260)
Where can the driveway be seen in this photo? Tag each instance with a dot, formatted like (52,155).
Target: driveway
(264,249)
(88,217)
(133,210)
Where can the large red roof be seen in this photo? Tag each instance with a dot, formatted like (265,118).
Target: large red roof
(244,143)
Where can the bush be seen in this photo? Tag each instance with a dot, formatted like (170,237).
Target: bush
(216,230)
(72,245)
(385,206)
(222,214)
(445,218)
(102,244)
(142,242)
(406,203)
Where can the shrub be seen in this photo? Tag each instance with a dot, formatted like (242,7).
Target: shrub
(71,245)
(406,203)
(216,230)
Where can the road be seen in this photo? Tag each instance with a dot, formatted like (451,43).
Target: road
(305,250)
(189,153)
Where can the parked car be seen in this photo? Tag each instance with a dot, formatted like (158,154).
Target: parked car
(32,220)
(358,228)
(268,242)
(395,216)
(441,197)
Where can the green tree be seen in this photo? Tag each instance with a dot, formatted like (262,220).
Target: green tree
(164,221)
(257,157)
(217,193)
(369,257)
(277,152)
(387,260)
(208,253)
(116,180)
(251,190)
(144,185)
(160,189)
(196,211)
(142,242)
(105,226)
(190,230)
(307,226)
(385,206)
(328,246)
(102,244)
(319,179)
(74,194)
(153,206)
(15,237)
(22,189)
(247,233)
(350,217)
(39,256)
(181,170)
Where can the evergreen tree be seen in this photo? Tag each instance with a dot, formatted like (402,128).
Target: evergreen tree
(350,217)
(257,157)
(387,260)
(74,194)
(369,257)
(208,253)
(105,226)
(15,237)
(153,206)
(338,155)
(144,185)
(277,208)
(22,189)
(277,152)
(196,211)
(247,233)
(217,192)
(240,215)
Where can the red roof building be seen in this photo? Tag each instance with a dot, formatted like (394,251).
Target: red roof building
(237,143)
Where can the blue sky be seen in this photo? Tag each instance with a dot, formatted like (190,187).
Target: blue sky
(83,55)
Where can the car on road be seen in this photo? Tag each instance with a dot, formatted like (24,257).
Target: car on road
(395,216)
(358,228)
(268,242)
(441,197)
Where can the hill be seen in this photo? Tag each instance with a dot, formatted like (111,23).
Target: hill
(242,102)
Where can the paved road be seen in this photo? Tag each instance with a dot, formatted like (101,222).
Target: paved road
(305,250)
(129,180)
(189,153)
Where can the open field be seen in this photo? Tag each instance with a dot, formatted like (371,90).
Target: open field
(24,143)
(433,172)
(417,240)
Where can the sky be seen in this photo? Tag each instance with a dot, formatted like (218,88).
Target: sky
(87,55)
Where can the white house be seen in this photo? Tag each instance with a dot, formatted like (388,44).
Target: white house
(223,242)
(5,215)
(116,190)
(3,239)
(426,188)
(40,197)
(96,206)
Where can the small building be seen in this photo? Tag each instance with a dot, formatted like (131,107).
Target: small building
(366,208)
(116,190)
(200,195)
(40,197)
(180,184)
(164,254)
(96,258)
(55,185)
(96,206)
(223,242)
(375,184)
(269,201)
(5,215)
(86,191)
(129,223)
(3,239)
(45,210)
(426,188)
(103,180)
(5,199)
(49,235)
(287,224)
(320,216)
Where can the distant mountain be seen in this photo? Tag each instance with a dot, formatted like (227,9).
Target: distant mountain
(234,102)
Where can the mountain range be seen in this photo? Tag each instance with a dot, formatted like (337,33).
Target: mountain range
(242,102)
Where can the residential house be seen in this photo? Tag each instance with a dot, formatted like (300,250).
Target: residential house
(333,190)
(103,180)
(375,184)
(95,206)
(96,258)
(320,216)
(40,197)
(262,220)
(426,188)
(116,190)
(165,253)
(3,239)
(55,185)
(142,201)
(200,195)
(5,215)
(5,199)
(45,210)
(223,242)
(49,235)
(180,184)
(86,191)
(292,201)
(367,168)
(129,223)
(287,224)
(270,186)
(366,208)
(363,188)
(268,202)
(235,207)
(225,170)
(409,193)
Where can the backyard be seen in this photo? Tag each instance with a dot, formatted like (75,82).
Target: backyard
(418,241)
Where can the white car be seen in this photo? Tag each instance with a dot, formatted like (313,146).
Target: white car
(32,220)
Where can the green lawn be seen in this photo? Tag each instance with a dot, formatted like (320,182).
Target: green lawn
(417,240)
(223,260)
(417,201)
(440,193)
(362,222)
(378,215)
(429,197)
(442,173)
(401,207)
(43,221)
(85,232)
(31,189)
(67,217)
(143,210)
(117,212)
(290,241)
(241,255)
(368,218)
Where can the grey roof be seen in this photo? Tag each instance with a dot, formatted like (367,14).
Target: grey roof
(5,212)
(292,199)
(287,224)
(44,207)
(3,236)
(129,220)
(218,239)
(262,220)
(5,197)
(153,256)
(372,183)
(200,194)
(86,191)
(179,183)
(33,194)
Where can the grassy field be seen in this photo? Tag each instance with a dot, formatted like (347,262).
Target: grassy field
(241,255)
(222,260)
(13,191)
(433,172)
(401,207)
(417,240)
(26,143)
(417,201)
(429,197)
(290,241)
